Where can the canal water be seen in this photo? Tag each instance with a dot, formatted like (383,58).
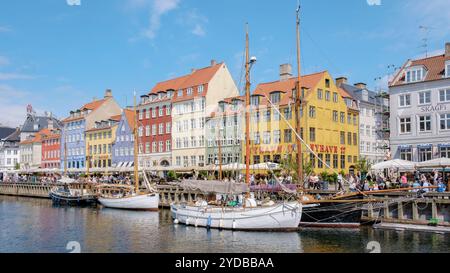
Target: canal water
(35,225)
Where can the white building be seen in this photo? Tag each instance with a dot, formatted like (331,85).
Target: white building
(374,138)
(420,109)
(9,150)
(196,97)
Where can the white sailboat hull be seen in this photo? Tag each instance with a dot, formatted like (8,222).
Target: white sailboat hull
(284,216)
(134,202)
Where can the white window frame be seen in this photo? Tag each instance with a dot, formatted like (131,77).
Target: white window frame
(400,125)
(446,95)
(423,95)
(446,119)
(425,121)
(400,100)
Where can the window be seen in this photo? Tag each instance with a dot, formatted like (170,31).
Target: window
(276,115)
(342,161)
(186,142)
(425,97)
(161,128)
(327,83)
(288,136)
(147,113)
(425,154)
(349,138)
(189,91)
(320,161)
(178,161)
(267,115)
(180,93)
(425,123)
(405,125)
(355,139)
(288,113)
(355,121)
(275,97)
(193,142)
(342,138)
(444,95)
(168,127)
(140,132)
(154,147)
(342,117)
(312,134)
(445,122)
(277,136)
(445,152)
(200,89)
(154,113)
(335,116)
(256,159)
(405,100)
(319,94)
(154,132)
(335,161)
(327,95)
(312,111)
(414,75)
(193,123)
(140,114)
(266,137)
(147,130)
(257,138)
(335,97)
(447,69)
(168,110)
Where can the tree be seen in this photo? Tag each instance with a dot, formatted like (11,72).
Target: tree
(363,166)
(17,166)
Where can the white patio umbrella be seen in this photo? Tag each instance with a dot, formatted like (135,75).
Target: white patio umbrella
(398,164)
(435,163)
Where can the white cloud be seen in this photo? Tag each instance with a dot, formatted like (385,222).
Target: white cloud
(198,30)
(158,9)
(12,112)
(4,61)
(374,2)
(5,29)
(15,76)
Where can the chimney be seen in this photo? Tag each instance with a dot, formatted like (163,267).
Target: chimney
(108,94)
(285,72)
(213,62)
(340,81)
(361,85)
(447,50)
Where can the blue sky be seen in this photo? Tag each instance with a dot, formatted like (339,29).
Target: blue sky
(58,56)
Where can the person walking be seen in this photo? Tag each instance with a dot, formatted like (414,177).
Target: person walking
(340,182)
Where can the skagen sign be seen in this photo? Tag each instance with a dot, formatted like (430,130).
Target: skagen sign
(436,108)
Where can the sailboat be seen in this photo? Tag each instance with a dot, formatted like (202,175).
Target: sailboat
(239,210)
(127,197)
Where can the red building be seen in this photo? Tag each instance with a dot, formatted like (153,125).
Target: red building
(155,129)
(51,149)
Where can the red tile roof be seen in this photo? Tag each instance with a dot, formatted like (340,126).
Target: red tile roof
(198,77)
(88,106)
(434,65)
(38,136)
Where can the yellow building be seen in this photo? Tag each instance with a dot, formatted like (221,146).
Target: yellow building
(329,123)
(99,142)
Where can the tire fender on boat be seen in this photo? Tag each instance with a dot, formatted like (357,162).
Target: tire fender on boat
(196,222)
(209,221)
(187,221)
(234,224)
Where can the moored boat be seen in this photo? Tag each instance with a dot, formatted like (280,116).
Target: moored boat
(67,194)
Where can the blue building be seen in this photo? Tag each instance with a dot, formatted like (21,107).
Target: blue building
(73,144)
(123,146)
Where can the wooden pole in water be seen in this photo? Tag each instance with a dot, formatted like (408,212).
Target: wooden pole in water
(136,173)
(247,110)
(298,104)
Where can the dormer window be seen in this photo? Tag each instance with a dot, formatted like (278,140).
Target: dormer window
(200,89)
(169,94)
(275,97)
(180,93)
(447,69)
(254,101)
(161,95)
(415,74)
(189,91)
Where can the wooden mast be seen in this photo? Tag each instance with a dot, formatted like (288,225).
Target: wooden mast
(136,173)
(247,111)
(298,104)
(220,154)
(65,153)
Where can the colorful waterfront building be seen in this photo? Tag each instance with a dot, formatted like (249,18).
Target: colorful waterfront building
(9,148)
(328,117)
(51,150)
(155,127)
(420,109)
(73,145)
(195,97)
(31,151)
(99,141)
(123,145)
(224,132)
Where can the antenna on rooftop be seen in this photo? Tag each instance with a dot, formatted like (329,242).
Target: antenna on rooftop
(426,30)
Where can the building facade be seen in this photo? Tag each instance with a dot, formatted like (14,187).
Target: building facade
(194,97)
(155,128)
(9,149)
(420,109)
(73,145)
(123,145)
(373,122)
(51,150)
(31,151)
(224,131)
(99,141)
(328,117)
(34,123)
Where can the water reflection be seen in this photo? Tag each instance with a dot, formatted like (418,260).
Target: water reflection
(34,225)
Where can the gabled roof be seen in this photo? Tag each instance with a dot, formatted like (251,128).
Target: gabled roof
(6,131)
(40,121)
(88,106)
(14,137)
(356,93)
(434,65)
(286,86)
(130,116)
(198,77)
(37,137)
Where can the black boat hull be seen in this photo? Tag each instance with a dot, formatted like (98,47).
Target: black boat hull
(73,201)
(332,214)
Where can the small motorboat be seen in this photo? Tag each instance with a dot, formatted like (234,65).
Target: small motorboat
(67,194)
